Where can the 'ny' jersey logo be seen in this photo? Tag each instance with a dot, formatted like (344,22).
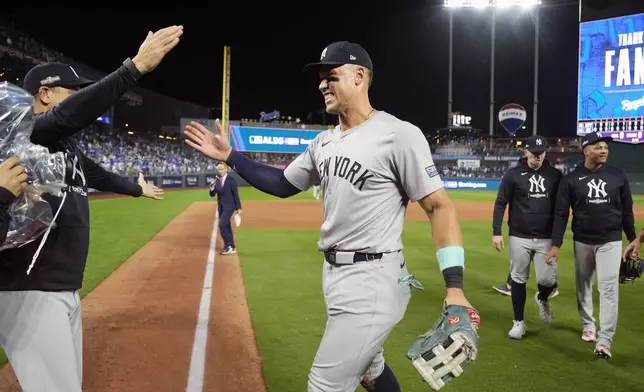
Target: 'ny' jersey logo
(537,187)
(598,188)
(537,184)
(77,171)
(597,191)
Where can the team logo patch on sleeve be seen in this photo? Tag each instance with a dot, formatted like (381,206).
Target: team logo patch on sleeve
(431,171)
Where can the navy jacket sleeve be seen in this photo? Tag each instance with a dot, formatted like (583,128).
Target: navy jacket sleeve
(628,218)
(562,211)
(103,180)
(6,198)
(235,191)
(81,109)
(266,178)
(503,197)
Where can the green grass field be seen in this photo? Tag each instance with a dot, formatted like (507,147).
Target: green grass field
(282,272)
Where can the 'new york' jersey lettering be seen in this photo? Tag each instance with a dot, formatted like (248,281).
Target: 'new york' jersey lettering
(345,168)
(368,175)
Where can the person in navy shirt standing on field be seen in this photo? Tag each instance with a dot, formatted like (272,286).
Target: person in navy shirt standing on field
(228,203)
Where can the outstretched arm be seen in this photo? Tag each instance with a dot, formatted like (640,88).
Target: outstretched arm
(103,180)
(267,179)
(84,107)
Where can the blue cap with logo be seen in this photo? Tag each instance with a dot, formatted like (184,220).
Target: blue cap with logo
(593,138)
(340,53)
(53,75)
(536,144)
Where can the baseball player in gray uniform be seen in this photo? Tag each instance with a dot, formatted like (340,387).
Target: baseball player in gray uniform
(602,208)
(530,190)
(369,166)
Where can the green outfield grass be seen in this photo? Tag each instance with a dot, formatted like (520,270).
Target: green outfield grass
(282,272)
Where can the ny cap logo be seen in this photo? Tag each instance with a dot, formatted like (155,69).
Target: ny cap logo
(539,142)
(323,54)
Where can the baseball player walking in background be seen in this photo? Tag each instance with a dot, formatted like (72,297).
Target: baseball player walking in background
(370,166)
(530,188)
(228,203)
(602,206)
(40,310)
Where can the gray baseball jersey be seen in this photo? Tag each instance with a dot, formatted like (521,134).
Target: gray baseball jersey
(368,175)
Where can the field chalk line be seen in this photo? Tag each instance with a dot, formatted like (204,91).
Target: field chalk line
(198,357)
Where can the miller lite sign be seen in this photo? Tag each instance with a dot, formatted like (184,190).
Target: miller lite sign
(461,120)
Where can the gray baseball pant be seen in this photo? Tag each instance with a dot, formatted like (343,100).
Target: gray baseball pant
(41,333)
(364,303)
(606,259)
(524,250)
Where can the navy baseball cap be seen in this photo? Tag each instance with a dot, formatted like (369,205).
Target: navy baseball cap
(340,53)
(593,138)
(53,75)
(536,144)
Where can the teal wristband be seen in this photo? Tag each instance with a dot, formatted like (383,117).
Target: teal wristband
(451,256)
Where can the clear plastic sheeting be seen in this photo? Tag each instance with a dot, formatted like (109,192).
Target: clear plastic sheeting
(31,215)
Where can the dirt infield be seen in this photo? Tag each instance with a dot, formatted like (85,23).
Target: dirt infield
(139,324)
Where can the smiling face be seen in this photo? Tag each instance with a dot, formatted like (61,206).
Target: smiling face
(341,85)
(596,154)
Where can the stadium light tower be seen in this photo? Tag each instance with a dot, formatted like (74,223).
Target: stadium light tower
(453,5)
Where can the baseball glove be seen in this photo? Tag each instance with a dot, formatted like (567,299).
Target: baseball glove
(630,270)
(444,351)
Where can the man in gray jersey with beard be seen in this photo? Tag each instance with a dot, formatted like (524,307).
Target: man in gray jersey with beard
(369,166)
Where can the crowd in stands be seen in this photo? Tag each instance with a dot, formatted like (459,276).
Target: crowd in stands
(130,154)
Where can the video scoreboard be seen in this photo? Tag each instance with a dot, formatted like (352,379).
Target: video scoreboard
(611,78)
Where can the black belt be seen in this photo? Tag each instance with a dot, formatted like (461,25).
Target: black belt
(330,257)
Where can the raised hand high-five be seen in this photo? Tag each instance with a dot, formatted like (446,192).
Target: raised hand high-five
(150,190)
(214,145)
(155,47)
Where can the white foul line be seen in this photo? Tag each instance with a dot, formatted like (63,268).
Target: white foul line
(198,358)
